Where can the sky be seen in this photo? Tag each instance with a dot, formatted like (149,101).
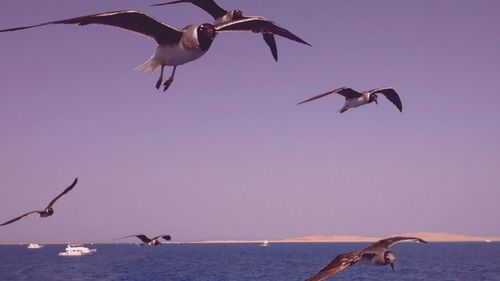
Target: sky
(226,153)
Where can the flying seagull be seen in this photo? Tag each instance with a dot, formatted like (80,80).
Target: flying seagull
(355,99)
(221,15)
(175,47)
(147,241)
(48,211)
(376,254)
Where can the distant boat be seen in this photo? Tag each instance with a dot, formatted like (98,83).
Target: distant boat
(77,250)
(264,244)
(35,246)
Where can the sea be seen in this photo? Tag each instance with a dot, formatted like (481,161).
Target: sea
(218,262)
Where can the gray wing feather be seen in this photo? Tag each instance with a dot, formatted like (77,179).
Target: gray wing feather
(386,243)
(338,264)
(70,187)
(258,25)
(208,6)
(130,20)
(336,91)
(142,237)
(391,95)
(18,218)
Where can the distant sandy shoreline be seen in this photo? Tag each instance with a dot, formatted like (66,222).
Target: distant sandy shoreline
(428,236)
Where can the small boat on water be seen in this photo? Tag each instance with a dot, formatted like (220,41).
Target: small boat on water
(77,250)
(35,246)
(264,244)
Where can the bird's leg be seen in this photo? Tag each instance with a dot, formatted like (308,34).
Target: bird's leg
(170,80)
(158,84)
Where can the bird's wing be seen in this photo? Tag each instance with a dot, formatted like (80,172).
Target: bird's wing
(142,237)
(271,42)
(386,243)
(167,237)
(70,187)
(391,95)
(338,264)
(18,218)
(349,93)
(208,6)
(258,25)
(162,236)
(130,20)
(336,91)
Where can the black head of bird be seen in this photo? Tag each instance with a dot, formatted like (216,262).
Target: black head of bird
(373,98)
(389,258)
(206,34)
(236,14)
(48,212)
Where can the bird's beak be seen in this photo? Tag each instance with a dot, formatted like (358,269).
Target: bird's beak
(375,100)
(392,266)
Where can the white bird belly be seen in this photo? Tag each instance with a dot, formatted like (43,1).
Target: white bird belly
(355,102)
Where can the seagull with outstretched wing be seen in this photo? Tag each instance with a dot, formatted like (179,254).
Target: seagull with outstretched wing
(354,98)
(377,254)
(48,211)
(222,16)
(148,241)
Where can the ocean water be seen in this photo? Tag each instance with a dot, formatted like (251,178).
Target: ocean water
(218,262)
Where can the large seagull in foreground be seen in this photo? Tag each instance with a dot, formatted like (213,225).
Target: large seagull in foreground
(48,211)
(376,254)
(175,46)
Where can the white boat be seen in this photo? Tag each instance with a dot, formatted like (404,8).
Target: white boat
(264,244)
(77,250)
(35,246)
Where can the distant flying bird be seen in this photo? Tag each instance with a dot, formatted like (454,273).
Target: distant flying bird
(355,99)
(377,254)
(221,15)
(147,241)
(48,211)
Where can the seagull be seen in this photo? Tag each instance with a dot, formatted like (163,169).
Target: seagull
(147,241)
(221,15)
(175,46)
(377,254)
(355,99)
(48,211)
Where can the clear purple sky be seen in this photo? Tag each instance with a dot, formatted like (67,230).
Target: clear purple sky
(226,153)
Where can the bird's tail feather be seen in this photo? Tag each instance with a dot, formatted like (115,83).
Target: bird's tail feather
(148,66)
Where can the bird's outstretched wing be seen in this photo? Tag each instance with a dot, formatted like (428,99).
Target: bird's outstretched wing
(258,25)
(130,20)
(208,6)
(391,95)
(70,187)
(18,218)
(164,236)
(336,91)
(338,264)
(271,42)
(386,243)
(142,237)
(349,93)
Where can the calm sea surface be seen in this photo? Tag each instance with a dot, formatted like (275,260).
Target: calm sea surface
(433,261)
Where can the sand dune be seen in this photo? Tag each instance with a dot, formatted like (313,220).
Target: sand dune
(428,236)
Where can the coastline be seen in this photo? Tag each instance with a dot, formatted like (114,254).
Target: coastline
(428,236)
